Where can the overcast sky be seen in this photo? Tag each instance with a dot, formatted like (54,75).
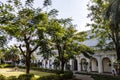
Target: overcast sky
(76,9)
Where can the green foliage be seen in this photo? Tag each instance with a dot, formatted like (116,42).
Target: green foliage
(56,63)
(11,53)
(106,20)
(26,24)
(2,40)
(2,77)
(67,75)
(99,27)
(6,66)
(114,24)
(66,40)
(47,2)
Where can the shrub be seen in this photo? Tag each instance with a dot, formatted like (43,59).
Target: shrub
(2,77)
(12,78)
(6,66)
(25,76)
(43,70)
(67,75)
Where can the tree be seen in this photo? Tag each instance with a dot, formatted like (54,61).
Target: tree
(24,23)
(106,30)
(98,25)
(12,54)
(1,55)
(66,40)
(113,16)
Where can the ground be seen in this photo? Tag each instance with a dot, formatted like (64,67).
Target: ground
(83,77)
(12,72)
(16,72)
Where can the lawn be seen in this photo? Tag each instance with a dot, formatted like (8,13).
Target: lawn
(12,72)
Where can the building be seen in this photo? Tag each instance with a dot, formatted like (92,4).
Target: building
(100,62)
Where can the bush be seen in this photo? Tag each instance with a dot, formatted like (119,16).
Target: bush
(12,78)
(43,70)
(2,77)
(67,75)
(26,77)
(6,66)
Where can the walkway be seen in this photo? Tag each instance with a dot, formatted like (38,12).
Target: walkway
(83,77)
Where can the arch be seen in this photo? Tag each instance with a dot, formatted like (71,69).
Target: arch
(106,63)
(75,64)
(84,64)
(94,65)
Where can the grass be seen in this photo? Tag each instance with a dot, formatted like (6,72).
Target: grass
(12,72)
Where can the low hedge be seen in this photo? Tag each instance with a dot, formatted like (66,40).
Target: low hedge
(6,66)
(43,69)
(21,77)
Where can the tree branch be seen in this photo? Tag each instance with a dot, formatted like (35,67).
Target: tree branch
(21,50)
(34,48)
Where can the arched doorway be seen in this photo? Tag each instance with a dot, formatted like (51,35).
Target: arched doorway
(94,65)
(84,64)
(75,65)
(106,65)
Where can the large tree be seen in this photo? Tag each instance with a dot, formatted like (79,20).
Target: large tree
(108,31)
(113,16)
(66,40)
(98,25)
(25,24)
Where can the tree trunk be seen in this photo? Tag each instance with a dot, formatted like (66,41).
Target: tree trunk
(28,64)
(118,56)
(62,65)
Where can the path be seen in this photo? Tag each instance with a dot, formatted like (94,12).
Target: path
(83,77)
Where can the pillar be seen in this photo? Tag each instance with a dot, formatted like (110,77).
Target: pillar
(78,64)
(100,65)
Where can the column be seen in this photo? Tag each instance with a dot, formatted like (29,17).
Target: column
(88,66)
(100,65)
(79,66)
(112,62)
(71,65)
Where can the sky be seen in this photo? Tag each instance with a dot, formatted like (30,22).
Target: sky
(75,9)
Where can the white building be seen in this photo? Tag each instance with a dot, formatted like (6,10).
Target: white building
(101,61)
